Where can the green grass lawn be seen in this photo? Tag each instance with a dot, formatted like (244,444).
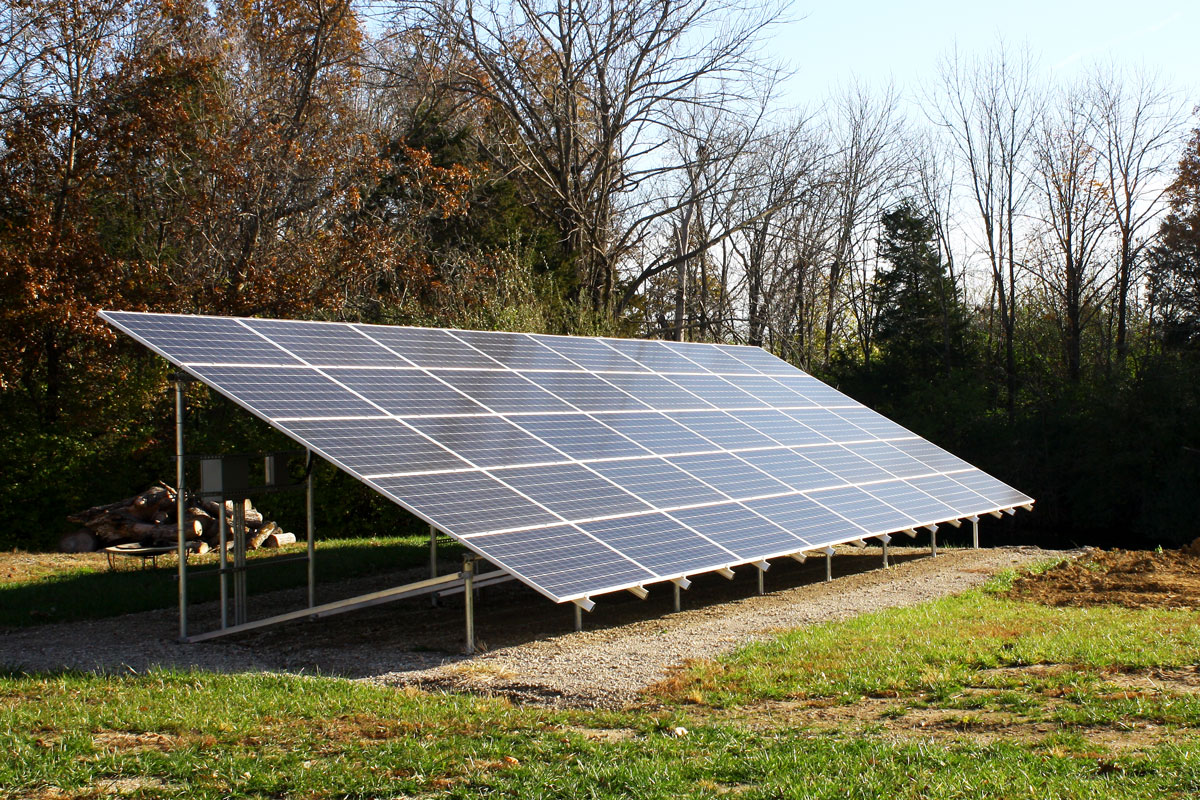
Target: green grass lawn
(1021,701)
(72,595)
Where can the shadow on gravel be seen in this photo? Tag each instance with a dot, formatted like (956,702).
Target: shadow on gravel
(511,614)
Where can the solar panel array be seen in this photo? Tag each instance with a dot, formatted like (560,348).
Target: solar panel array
(583,465)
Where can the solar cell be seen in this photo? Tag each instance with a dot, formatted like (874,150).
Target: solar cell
(653,355)
(502,392)
(325,344)
(868,512)
(819,393)
(729,474)
(486,441)
(949,491)
(579,436)
(930,454)
(711,358)
(737,528)
(201,340)
(453,501)
(890,458)
(659,543)
(717,391)
(723,429)
(516,350)
(373,446)
(771,392)
(563,561)
(873,422)
(571,491)
(585,391)
(657,433)
(656,392)
(405,392)
(657,482)
(286,392)
(780,427)
(583,465)
(829,424)
(918,505)
(846,465)
(428,347)
(760,360)
(804,518)
(590,354)
(793,469)
(999,494)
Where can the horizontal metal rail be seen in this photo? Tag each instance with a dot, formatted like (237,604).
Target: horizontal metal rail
(337,607)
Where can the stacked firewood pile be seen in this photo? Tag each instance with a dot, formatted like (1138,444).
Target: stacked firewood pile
(150,518)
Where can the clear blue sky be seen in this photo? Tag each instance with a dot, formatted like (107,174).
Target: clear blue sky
(902,40)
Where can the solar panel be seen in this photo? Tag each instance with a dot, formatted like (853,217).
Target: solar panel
(583,465)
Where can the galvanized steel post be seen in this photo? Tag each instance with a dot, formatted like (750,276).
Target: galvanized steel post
(469,600)
(180,509)
(311,532)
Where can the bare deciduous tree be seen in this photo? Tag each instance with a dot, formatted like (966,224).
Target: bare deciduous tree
(1074,208)
(587,87)
(1141,125)
(986,109)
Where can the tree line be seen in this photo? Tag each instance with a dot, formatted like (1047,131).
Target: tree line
(1008,263)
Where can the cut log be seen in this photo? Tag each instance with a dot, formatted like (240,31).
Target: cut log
(255,540)
(279,539)
(150,503)
(83,516)
(192,529)
(80,541)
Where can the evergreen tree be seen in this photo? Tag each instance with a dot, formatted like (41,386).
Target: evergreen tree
(920,324)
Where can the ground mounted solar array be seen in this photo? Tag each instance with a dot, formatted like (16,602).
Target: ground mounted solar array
(583,465)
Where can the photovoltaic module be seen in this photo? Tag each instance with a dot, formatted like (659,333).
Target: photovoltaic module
(583,465)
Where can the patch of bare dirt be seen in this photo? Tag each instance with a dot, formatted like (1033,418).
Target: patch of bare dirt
(1129,578)
(895,720)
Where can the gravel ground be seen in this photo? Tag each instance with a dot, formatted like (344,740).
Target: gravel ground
(528,648)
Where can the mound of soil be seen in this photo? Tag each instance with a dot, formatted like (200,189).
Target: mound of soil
(1134,579)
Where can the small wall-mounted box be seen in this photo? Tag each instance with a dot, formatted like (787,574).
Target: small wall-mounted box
(225,476)
(275,470)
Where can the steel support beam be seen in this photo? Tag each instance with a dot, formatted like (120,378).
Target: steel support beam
(180,510)
(468,572)
(310,531)
(433,598)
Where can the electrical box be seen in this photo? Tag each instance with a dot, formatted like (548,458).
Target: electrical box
(275,470)
(226,476)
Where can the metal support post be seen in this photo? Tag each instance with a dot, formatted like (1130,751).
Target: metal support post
(884,540)
(828,563)
(975,532)
(469,600)
(239,562)
(312,542)
(433,598)
(933,542)
(180,510)
(578,617)
(223,547)
(678,603)
(761,572)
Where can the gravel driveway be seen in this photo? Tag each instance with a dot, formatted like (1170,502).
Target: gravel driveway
(529,650)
